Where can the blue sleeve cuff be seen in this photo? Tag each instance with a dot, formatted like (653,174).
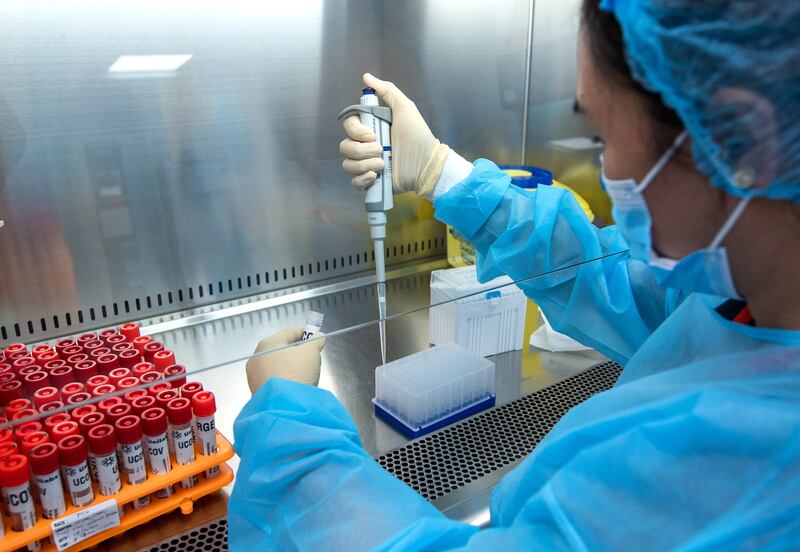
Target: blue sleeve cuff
(467,205)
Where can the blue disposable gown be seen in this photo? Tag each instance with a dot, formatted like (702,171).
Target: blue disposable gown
(696,447)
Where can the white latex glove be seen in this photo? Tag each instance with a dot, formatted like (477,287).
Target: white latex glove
(300,363)
(417,156)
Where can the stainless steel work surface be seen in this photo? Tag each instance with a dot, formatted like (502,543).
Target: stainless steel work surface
(349,358)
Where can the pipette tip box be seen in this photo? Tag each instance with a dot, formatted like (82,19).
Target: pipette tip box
(431,389)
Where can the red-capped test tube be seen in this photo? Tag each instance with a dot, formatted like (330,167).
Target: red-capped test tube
(72,389)
(150,349)
(179,414)
(175,370)
(62,344)
(31,440)
(103,446)
(17,405)
(55,419)
(154,426)
(60,375)
(80,411)
(150,377)
(142,368)
(45,395)
(10,391)
(162,359)
(129,358)
(129,330)
(73,453)
(140,341)
(86,424)
(105,334)
(35,381)
(134,394)
(78,398)
(49,407)
(96,381)
(87,338)
(17,495)
(117,374)
(128,383)
(140,404)
(47,478)
(84,369)
(24,413)
(105,389)
(107,363)
(115,339)
(68,352)
(7,448)
(188,390)
(129,435)
(65,429)
(24,429)
(204,406)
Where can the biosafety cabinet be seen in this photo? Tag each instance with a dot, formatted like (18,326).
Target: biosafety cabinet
(176,165)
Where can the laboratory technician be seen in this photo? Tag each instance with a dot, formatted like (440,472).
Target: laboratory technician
(697,446)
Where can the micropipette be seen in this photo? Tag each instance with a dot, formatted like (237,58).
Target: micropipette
(379,195)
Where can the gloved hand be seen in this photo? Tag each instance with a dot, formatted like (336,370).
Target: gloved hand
(300,363)
(417,156)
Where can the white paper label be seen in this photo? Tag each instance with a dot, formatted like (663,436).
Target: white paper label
(133,460)
(92,466)
(158,454)
(184,445)
(80,484)
(158,450)
(108,474)
(207,432)
(51,495)
(79,526)
(183,441)
(20,506)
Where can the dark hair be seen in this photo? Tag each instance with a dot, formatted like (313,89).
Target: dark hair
(607,49)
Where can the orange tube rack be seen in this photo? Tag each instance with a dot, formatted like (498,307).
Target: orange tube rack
(182,498)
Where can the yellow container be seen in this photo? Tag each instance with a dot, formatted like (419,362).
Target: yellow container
(461,253)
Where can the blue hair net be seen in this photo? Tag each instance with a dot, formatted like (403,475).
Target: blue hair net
(731,71)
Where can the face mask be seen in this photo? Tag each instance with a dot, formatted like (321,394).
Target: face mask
(705,270)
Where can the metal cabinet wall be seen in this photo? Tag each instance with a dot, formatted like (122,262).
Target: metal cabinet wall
(131,194)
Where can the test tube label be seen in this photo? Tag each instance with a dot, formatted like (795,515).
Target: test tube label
(92,459)
(51,494)
(108,474)
(135,469)
(183,442)
(207,433)
(158,451)
(20,506)
(80,484)
(133,458)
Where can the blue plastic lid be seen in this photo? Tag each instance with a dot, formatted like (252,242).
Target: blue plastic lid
(538,176)
(365,91)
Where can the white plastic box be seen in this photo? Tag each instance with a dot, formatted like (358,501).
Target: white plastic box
(488,322)
(435,387)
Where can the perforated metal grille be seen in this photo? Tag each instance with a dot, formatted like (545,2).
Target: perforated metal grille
(460,454)
(212,537)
